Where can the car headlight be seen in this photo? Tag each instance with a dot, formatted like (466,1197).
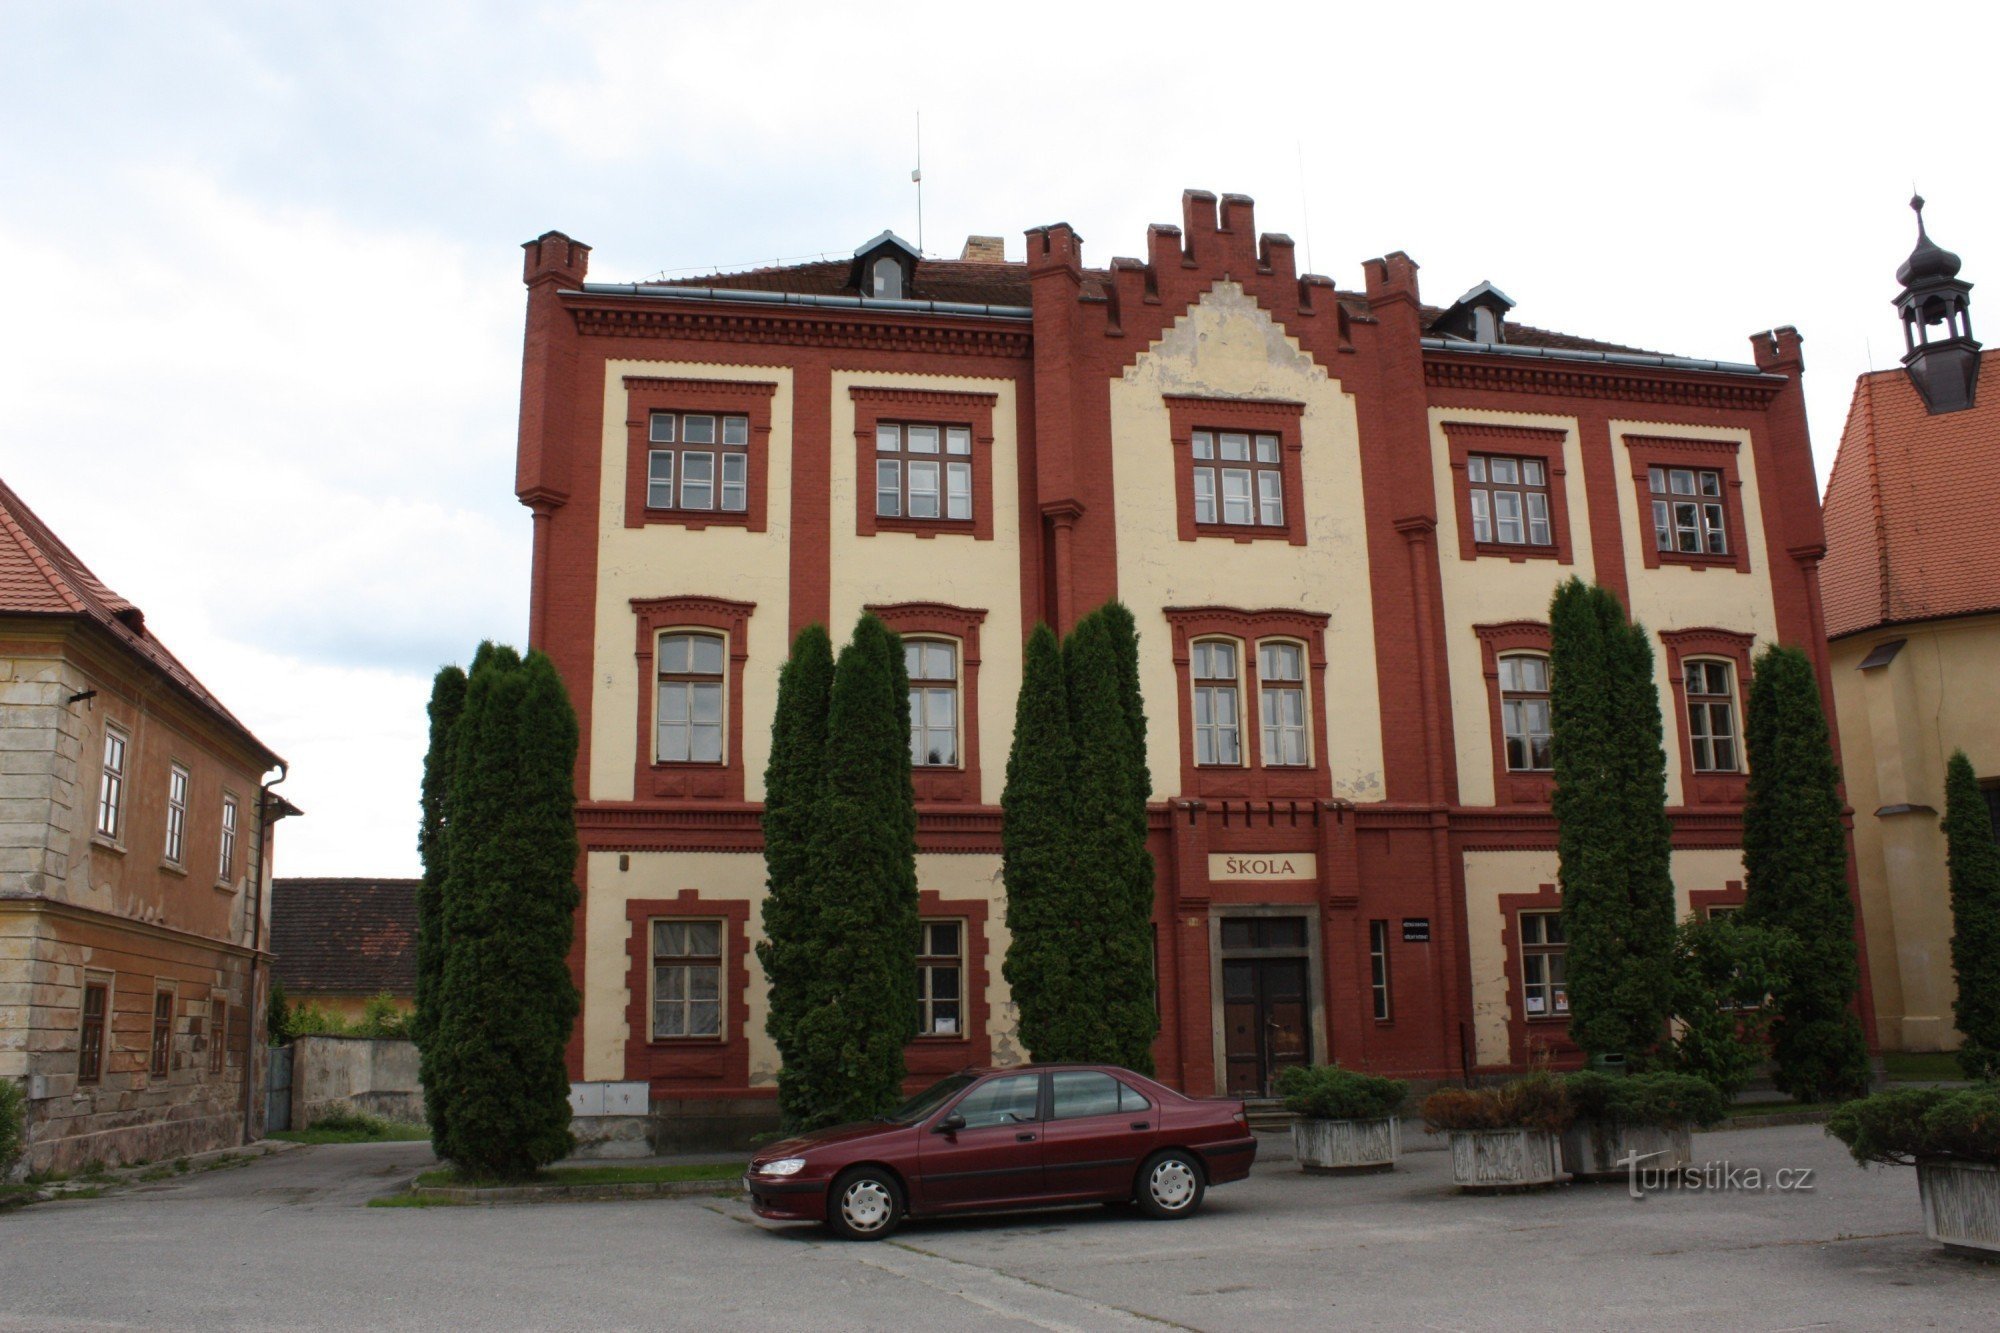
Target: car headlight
(784,1166)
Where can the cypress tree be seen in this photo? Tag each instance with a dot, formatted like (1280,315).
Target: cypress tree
(1613,839)
(1111,893)
(1974,858)
(1037,850)
(506,999)
(789,950)
(447,702)
(1795,879)
(848,1062)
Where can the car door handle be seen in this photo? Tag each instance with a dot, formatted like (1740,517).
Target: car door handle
(1142,1124)
(1024,1138)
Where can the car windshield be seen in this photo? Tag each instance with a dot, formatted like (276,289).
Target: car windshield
(936,1095)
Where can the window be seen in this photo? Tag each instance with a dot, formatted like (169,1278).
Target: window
(940,979)
(177,811)
(708,454)
(932,665)
(1378,967)
(1510,500)
(1711,705)
(923,471)
(1281,677)
(1991,790)
(687,979)
(1216,740)
(90,1045)
(163,1032)
(111,787)
(1012,1100)
(885,278)
(1544,970)
(1085,1092)
(218,1032)
(1688,516)
(689,714)
(1238,478)
(228,858)
(1524,712)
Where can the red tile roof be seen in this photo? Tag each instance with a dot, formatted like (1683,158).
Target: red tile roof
(1006,283)
(39,575)
(1910,507)
(345,936)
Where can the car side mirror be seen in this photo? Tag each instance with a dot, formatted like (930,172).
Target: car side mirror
(951,1124)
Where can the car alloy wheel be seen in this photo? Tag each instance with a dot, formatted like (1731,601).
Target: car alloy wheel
(1171,1185)
(866,1205)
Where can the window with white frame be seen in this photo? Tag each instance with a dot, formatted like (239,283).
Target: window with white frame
(177,812)
(1524,712)
(1216,737)
(1544,965)
(689,716)
(932,665)
(111,783)
(1238,479)
(1510,500)
(226,866)
(1281,686)
(687,978)
(941,979)
(1711,709)
(923,470)
(1378,967)
(1688,515)
(704,455)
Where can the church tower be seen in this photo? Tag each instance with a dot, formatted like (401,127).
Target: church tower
(1944,366)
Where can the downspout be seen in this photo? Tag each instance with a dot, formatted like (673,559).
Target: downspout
(256,905)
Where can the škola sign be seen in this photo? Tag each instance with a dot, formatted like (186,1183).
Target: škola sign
(1263,865)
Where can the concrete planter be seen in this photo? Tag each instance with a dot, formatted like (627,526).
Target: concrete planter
(1601,1149)
(1498,1159)
(1347,1147)
(1961,1205)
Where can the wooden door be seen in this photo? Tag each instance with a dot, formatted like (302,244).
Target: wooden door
(1266,1023)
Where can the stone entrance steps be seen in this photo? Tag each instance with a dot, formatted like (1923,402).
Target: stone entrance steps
(1267,1115)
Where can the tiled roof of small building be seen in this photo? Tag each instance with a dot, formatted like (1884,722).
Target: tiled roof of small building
(39,575)
(345,936)
(1910,507)
(1005,283)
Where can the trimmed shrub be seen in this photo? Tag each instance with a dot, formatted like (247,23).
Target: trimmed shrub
(1974,860)
(384,1019)
(1724,975)
(13,1125)
(1539,1101)
(1669,1101)
(1906,1125)
(277,1015)
(1328,1092)
(310,1020)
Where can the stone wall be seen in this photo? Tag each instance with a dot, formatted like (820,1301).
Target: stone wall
(376,1076)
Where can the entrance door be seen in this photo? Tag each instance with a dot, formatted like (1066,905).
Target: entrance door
(1265,1001)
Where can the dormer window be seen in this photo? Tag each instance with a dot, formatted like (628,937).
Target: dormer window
(885,278)
(1479,316)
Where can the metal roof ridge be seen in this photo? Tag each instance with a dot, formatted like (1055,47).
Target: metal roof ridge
(1651,359)
(753,296)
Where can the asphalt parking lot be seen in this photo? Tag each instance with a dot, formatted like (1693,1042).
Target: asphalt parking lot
(288,1242)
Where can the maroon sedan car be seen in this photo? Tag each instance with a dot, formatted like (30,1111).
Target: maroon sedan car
(1025,1137)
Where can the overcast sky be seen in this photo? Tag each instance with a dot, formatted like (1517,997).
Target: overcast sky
(260,357)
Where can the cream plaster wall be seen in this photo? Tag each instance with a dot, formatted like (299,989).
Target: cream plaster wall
(739,877)
(665,560)
(1679,597)
(1493,589)
(1898,726)
(904,567)
(1225,346)
(1491,874)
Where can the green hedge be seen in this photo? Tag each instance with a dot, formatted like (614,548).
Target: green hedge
(1906,1125)
(1328,1092)
(1667,1100)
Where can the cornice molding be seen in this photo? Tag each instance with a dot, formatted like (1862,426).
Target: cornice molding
(1442,370)
(611,319)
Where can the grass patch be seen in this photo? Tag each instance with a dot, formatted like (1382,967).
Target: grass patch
(347,1127)
(86,1192)
(227,1160)
(594,1175)
(413,1201)
(1922,1067)
(156,1173)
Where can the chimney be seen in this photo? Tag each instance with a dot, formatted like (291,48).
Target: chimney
(984,250)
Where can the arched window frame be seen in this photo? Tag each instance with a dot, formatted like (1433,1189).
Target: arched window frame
(1252,779)
(656,617)
(1513,638)
(959,783)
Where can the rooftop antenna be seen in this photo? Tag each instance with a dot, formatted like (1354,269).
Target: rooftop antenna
(1305,209)
(917,178)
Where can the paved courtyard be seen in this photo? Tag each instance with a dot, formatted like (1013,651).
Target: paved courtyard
(287,1242)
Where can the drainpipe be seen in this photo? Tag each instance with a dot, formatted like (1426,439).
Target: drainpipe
(256,905)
